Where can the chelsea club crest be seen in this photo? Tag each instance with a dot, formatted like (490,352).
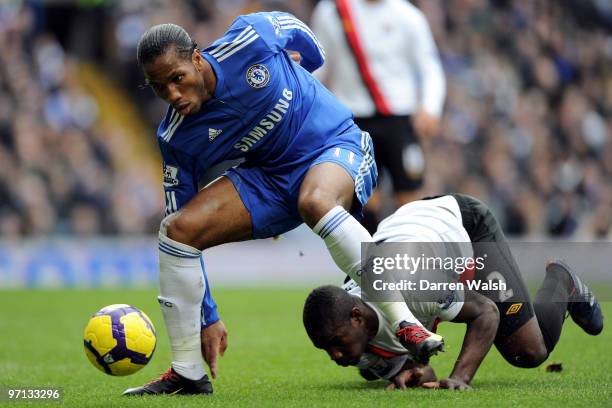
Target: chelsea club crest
(258,76)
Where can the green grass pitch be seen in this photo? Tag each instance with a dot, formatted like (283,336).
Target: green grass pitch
(270,361)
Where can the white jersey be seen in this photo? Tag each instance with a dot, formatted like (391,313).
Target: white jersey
(400,52)
(385,356)
(436,220)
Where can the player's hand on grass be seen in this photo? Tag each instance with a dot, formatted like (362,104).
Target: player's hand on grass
(449,383)
(214,343)
(408,378)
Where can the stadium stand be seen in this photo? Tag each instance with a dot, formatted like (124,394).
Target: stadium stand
(527,124)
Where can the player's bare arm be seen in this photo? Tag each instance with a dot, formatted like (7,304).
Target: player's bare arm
(482,318)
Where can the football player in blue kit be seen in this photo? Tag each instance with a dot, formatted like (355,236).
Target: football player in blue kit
(305,161)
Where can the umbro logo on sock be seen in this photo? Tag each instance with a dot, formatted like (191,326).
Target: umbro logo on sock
(213,133)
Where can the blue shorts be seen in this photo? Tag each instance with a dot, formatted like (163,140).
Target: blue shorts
(271,197)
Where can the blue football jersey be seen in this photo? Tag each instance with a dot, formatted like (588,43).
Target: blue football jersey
(265,108)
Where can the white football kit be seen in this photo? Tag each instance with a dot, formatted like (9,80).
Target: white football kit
(400,51)
(434,220)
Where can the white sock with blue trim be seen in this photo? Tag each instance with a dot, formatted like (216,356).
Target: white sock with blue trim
(182,288)
(343,236)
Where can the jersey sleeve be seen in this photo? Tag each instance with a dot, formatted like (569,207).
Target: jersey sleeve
(445,309)
(179,178)
(210,314)
(450,309)
(283,31)
(427,62)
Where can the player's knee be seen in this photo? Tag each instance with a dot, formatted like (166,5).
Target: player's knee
(178,228)
(528,357)
(314,203)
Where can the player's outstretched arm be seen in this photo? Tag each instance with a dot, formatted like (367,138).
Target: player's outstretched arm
(482,318)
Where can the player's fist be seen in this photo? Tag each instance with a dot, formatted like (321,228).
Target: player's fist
(214,343)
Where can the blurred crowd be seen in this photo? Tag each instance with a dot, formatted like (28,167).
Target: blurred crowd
(527,123)
(59,171)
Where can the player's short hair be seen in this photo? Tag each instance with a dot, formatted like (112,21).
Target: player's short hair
(160,38)
(326,309)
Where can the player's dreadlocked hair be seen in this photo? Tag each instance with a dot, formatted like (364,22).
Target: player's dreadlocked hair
(326,309)
(158,39)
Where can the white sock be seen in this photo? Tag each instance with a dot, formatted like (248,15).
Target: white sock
(397,312)
(182,288)
(343,236)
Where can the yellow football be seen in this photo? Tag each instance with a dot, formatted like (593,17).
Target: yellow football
(119,339)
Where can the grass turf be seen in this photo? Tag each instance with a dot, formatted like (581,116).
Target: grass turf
(270,361)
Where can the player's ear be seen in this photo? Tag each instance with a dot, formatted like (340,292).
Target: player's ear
(356,314)
(197,59)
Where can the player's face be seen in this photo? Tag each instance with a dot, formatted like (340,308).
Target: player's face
(347,344)
(178,81)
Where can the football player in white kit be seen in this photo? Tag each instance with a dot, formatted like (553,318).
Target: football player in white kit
(353,332)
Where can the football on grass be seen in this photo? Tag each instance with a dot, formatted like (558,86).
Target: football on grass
(119,339)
